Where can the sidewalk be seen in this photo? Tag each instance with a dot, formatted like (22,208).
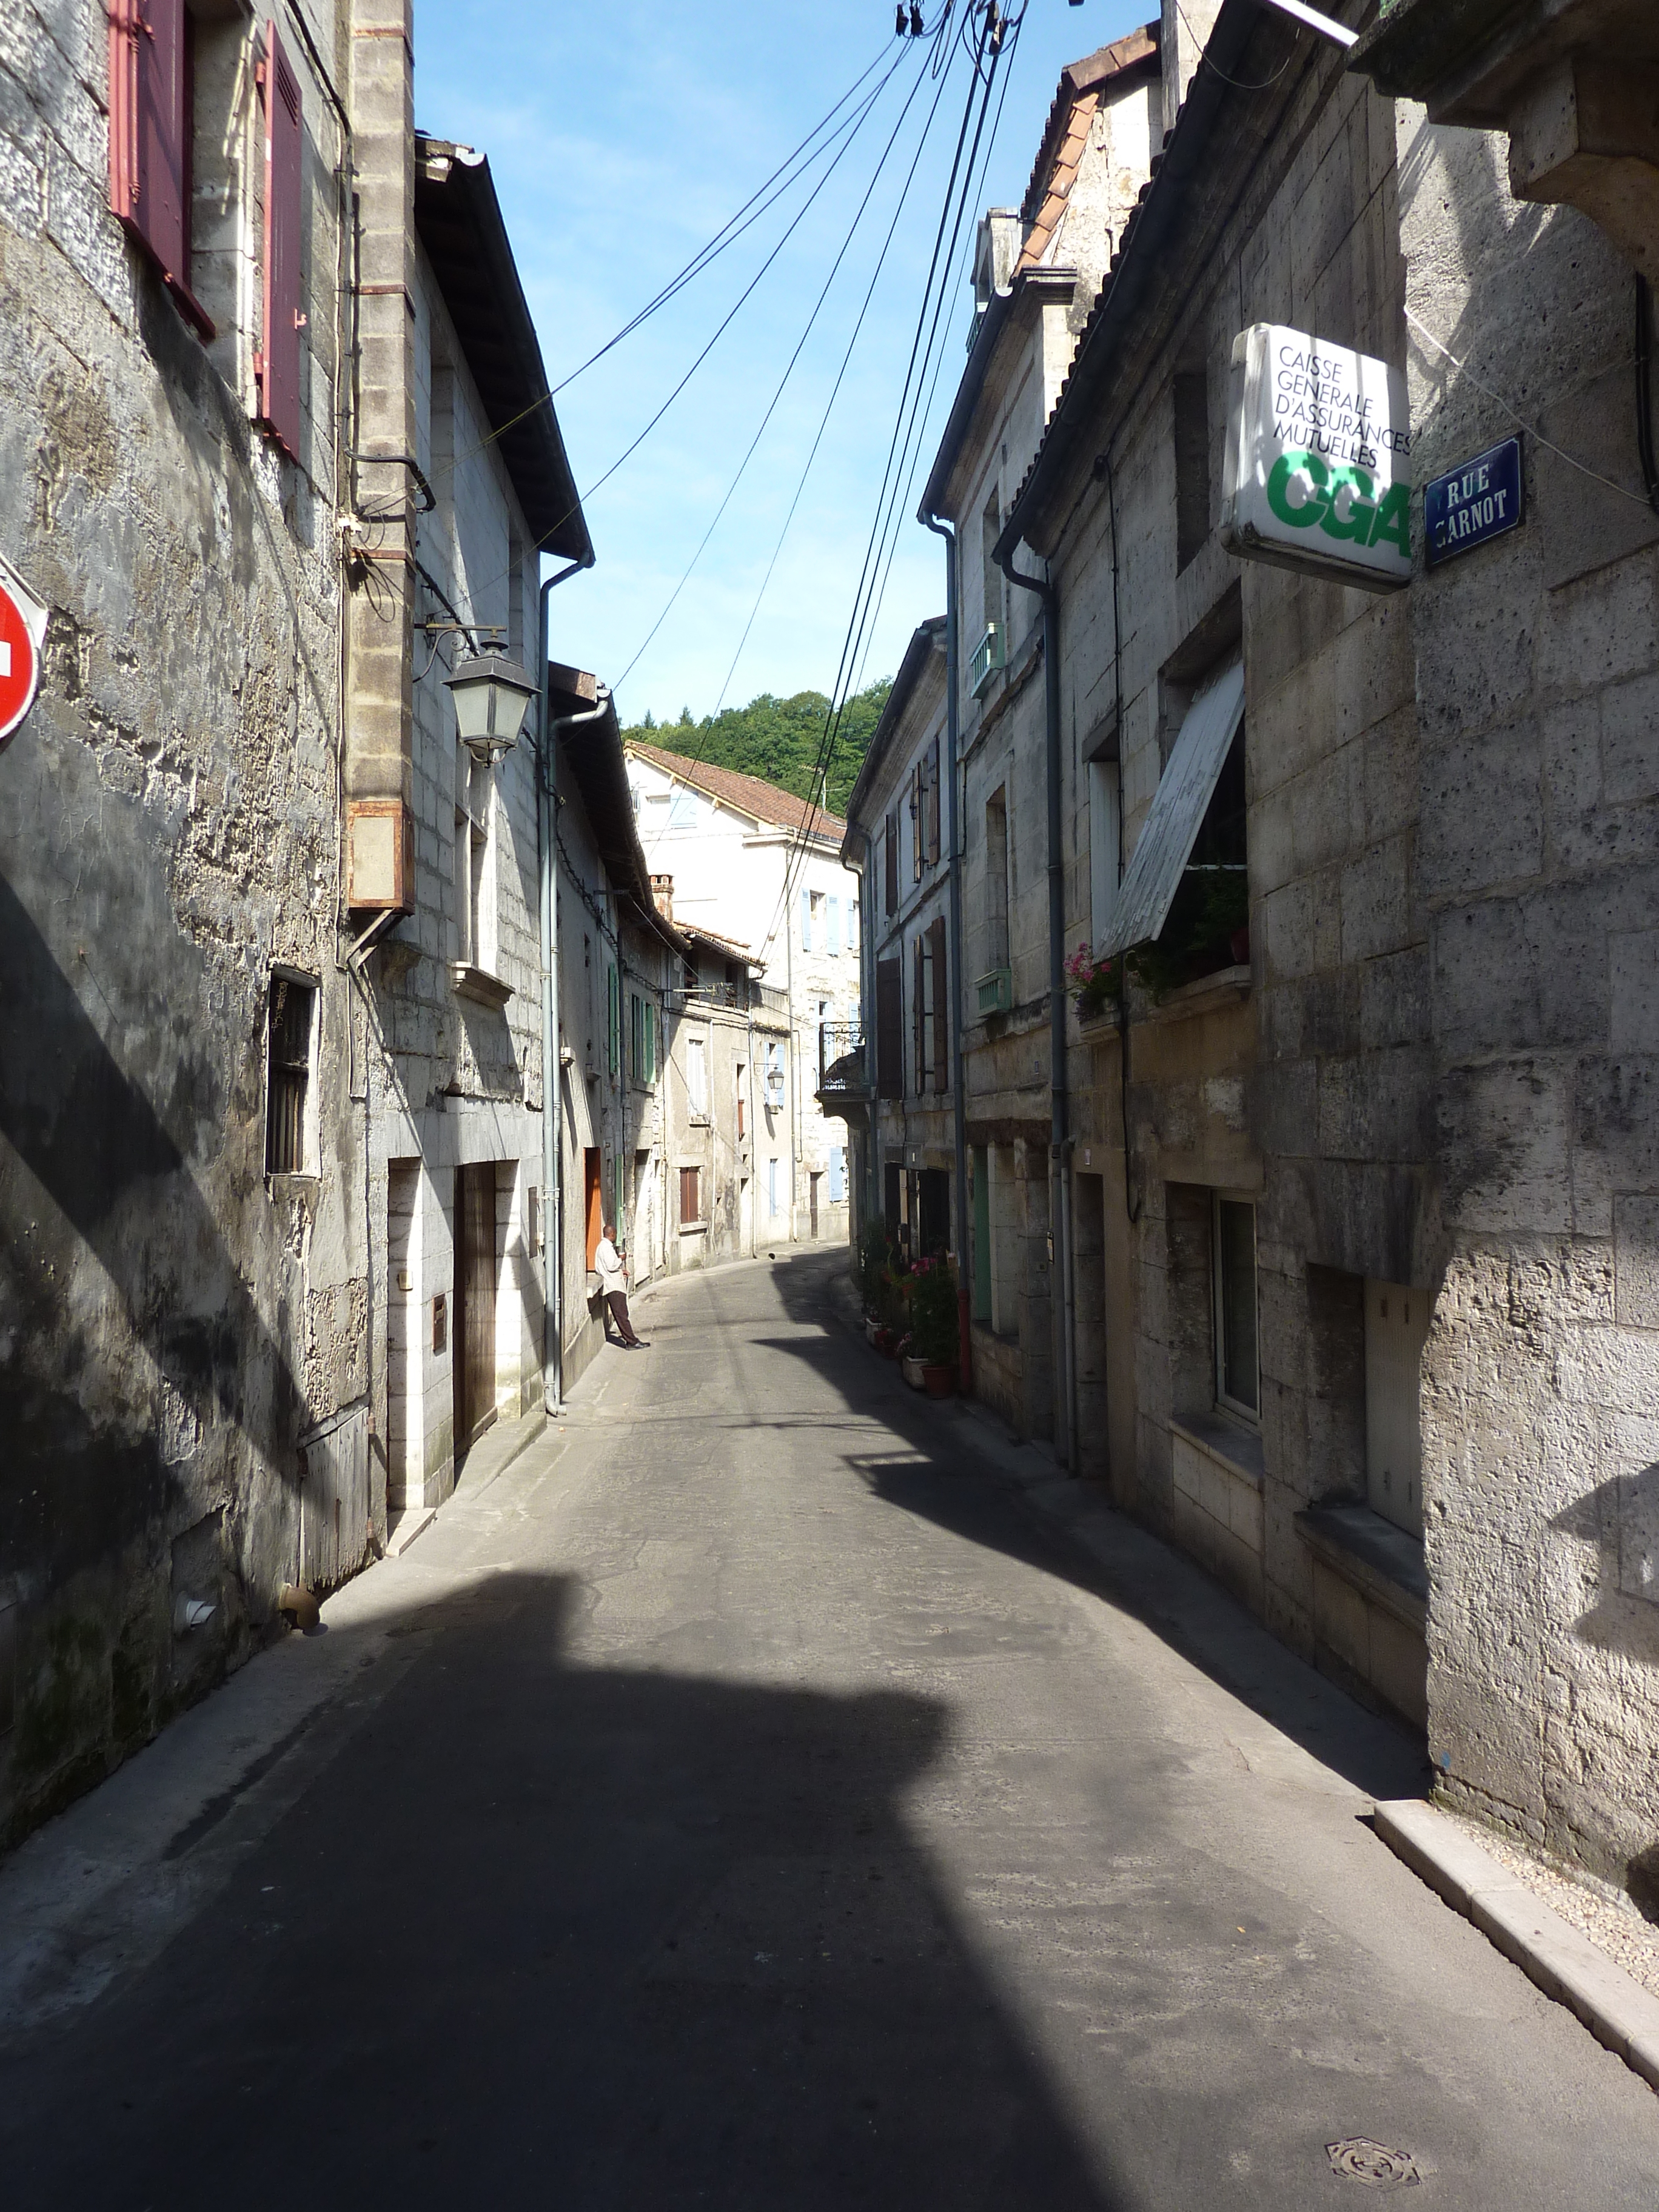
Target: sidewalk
(1207,1623)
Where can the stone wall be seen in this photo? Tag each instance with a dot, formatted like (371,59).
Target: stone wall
(170,1326)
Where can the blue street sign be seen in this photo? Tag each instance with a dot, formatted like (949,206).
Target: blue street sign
(1479,500)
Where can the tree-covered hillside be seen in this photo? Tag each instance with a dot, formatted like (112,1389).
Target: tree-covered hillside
(777,739)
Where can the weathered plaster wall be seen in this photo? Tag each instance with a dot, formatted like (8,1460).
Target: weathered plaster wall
(168,1326)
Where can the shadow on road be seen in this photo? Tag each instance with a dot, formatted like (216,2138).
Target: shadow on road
(546,1933)
(944,1477)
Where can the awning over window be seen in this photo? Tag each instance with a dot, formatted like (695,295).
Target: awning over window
(1165,843)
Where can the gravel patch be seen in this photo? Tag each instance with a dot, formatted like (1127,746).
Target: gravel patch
(1612,1922)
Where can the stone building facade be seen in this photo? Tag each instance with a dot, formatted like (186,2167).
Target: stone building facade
(760,869)
(276,443)
(1038,272)
(1350,1199)
(898,834)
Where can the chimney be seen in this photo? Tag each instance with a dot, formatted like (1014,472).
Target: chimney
(662,896)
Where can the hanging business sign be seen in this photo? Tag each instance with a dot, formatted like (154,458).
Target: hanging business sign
(22,631)
(1317,471)
(1481,498)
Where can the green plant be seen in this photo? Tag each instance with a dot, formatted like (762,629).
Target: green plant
(1210,903)
(934,1322)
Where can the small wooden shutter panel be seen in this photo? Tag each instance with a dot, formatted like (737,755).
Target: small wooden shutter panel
(891,884)
(932,800)
(941,1007)
(277,365)
(919,1014)
(149,125)
(890,1030)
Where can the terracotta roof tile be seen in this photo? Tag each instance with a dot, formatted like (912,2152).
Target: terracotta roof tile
(749,794)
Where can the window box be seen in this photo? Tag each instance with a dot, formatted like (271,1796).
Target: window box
(1207,994)
(479,984)
(994,992)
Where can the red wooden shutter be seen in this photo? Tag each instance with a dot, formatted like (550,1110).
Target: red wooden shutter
(149,121)
(277,364)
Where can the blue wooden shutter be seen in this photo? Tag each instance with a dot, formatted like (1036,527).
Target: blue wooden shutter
(832,926)
(806,921)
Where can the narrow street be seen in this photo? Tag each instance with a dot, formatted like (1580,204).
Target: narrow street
(753,1801)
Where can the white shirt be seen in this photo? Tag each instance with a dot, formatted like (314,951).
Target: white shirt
(608,1265)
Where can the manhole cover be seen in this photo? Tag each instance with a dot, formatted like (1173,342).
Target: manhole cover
(1373,2163)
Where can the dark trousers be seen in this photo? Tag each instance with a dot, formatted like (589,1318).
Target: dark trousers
(618,1302)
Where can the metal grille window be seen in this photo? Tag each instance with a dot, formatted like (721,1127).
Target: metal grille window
(1237,1371)
(289,1075)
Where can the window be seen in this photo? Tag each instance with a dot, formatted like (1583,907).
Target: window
(1192,460)
(1396,1329)
(288,1083)
(772,1191)
(890,1030)
(774,1078)
(990,529)
(743,1105)
(930,802)
(683,810)
(641,1040)
(996,880)
(832,925)
(696,1078)
(891,857)
(1237,1379)
(806,921)
(837,1174)
(1103,842)
(852,925)
(982,1170)
(690,1198)
(613,1019)
(475,877)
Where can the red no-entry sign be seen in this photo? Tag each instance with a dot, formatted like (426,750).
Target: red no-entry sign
(22,628)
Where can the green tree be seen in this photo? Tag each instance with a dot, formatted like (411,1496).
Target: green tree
(778,740)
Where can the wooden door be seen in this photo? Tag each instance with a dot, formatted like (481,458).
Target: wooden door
(473,1340)
(593,1173)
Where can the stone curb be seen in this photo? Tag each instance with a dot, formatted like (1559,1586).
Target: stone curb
(1566,1965)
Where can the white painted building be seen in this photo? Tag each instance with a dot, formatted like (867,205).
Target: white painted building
(761,868)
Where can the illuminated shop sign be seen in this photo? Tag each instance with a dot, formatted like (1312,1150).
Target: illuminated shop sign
(1477,500)
(1317,470)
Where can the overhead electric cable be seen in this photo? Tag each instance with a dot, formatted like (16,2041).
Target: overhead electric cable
(841,373)
(904,430)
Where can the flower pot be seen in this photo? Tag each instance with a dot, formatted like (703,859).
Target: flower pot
(915,1372)
(871,1329)
(939,1378)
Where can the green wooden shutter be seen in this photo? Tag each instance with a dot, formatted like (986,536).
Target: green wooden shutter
(650,1042)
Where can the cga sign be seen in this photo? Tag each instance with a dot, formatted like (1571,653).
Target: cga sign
(22,628)
(1317,470)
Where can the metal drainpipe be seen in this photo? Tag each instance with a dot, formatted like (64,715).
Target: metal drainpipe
(552,1077)
(868,961)
(958,1085)
(1060,1178)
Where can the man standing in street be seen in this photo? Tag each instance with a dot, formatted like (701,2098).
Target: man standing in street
(612,1271)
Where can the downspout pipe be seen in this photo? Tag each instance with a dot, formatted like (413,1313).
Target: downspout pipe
(552,1079)
(1060,1148)
(958,1086)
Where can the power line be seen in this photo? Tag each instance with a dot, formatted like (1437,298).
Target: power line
(990,39)
(818,305)
(886,508)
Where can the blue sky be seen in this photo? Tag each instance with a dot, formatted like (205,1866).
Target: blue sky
(621,136)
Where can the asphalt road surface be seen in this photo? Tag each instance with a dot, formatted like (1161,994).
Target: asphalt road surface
(750,1800)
